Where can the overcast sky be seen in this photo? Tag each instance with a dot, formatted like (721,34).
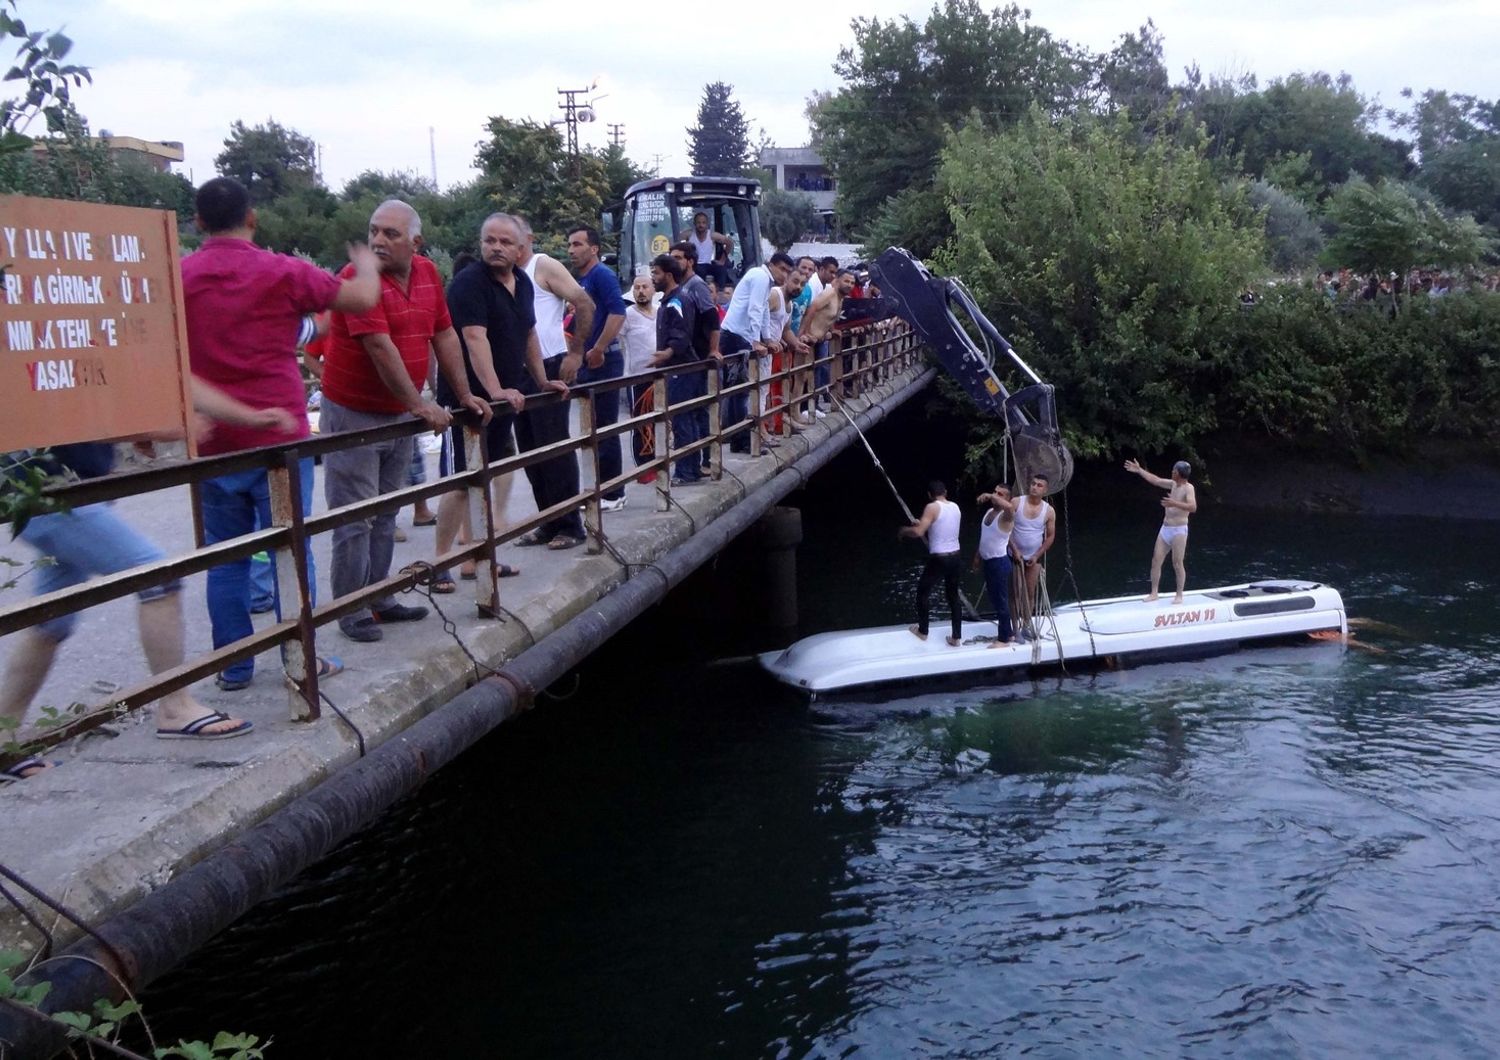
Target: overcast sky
(368,79)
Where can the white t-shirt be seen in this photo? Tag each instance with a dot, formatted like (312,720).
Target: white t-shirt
(638,337)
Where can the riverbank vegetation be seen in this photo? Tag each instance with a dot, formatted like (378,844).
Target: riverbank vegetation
(1154,248)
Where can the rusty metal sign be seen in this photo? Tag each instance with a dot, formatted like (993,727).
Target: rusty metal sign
(93,344)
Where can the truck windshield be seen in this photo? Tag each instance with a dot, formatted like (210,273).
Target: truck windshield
(657,219)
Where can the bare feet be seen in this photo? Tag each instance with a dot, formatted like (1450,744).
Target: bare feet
(1151,599)
(1177,599)
(953,642)
(915,632)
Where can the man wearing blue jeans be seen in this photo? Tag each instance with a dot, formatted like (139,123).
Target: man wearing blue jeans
(603,357)
(746,332)
(232,505)
(244,308)
(697,300)
(674,346)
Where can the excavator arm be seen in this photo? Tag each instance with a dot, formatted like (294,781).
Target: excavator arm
(928,304)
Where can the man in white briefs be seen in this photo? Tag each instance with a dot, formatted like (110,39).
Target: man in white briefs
(939,524)
(1180,502)
(1032,535)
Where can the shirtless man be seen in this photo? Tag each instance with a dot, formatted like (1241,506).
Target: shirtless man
(1180,502)
(1032,535)
(817,324)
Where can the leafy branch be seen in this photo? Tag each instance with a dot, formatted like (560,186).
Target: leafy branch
(98,1030)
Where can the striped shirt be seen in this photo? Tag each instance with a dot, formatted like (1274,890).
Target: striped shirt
(411,318)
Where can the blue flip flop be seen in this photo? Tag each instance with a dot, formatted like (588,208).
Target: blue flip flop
(194,730)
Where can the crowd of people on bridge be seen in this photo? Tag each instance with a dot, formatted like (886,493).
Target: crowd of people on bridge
(387,340)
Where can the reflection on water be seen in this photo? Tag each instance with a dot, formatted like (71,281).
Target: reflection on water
(1290,850)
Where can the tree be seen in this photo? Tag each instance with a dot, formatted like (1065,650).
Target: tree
(1133,77)
(1314,114)
(619,173)
(397,184)
(905,83)
(1293,238)
(719,145)
(1458,138)
(1390,227)
(785,215)
(524,168)
(1112,264)
(47,81)
(270,160)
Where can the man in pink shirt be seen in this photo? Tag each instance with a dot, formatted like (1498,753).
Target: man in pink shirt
(373,373)
(244,306)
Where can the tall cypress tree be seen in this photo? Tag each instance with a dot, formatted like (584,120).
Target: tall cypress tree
(719,145)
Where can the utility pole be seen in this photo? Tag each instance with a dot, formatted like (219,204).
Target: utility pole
(656,161)
(432,150)
(570,108)
(617,133)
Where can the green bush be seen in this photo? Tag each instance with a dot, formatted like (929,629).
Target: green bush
(1351,380)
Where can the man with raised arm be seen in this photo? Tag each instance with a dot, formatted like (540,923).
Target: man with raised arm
(373,375)
(1180,502)
(245,308)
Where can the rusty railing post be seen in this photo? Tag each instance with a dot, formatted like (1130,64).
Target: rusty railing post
(481,519)
(752,368)
(715,423)
(661,431)
(300,656)
(593,515)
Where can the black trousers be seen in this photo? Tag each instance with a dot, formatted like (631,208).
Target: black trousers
(552,481)
(947,567)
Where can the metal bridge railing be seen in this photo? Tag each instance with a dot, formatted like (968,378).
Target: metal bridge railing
(859,358)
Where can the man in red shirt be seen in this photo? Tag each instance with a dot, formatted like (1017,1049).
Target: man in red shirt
(244,307)
(372,375)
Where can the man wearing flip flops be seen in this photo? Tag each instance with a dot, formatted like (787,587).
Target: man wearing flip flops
(244,308)
(494,311)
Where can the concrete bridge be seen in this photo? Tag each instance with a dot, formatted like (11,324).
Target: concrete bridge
(160,844)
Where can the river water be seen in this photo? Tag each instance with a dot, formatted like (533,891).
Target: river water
(1284,851)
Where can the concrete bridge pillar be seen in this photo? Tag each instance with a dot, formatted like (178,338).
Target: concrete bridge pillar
(778,534)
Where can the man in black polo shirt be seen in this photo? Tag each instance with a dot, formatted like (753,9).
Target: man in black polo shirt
(493,310)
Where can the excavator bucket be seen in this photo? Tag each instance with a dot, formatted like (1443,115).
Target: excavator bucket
(927,303)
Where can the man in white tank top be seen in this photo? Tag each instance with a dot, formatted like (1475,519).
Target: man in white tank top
(993,556)
(1030,538)
(1180,502)
(704,240)
(557,479)
(939,524)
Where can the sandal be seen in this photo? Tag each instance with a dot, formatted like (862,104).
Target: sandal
(25,769)
(507,571)
(564,541)
(531,539)
(444,584)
